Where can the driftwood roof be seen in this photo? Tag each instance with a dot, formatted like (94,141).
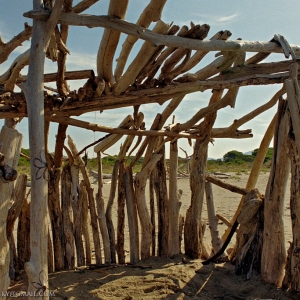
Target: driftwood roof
(160,71)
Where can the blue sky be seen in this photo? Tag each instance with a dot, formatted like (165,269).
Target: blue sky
(249,20)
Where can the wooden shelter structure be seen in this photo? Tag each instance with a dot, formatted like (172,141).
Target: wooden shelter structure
(159,73)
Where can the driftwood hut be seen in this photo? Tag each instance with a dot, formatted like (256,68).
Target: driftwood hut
(159,73)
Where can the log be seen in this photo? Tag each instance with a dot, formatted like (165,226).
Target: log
(157,39)
(83,5)
(101,213)
(132,216)
(274,252)
(11,141)
(146,226)
(227,186)
(212,219)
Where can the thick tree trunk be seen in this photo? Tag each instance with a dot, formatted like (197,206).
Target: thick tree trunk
(144,216)
(192,229)
(37,267)
(292,273)
(274,252)
(11,141)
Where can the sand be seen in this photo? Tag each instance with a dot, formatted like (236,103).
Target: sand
(166,278)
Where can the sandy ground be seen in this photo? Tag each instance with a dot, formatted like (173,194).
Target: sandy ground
(165,278)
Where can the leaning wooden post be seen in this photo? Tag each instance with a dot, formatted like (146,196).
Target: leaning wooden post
(212,219)
(11,141)
(274,252)
(37,267)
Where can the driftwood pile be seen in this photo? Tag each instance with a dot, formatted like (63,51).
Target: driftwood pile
(157,74)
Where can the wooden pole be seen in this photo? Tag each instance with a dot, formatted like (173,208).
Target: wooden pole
(212,219)
(173,201)
(132,216)
(101,213)
(37,267)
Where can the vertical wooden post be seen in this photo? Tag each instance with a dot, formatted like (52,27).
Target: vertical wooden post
(162,205)
(144,216)
(152,211)
(11,141)
(101,212)
(37,267)
(66,192)
(173,201)
(121,214)
(132,216)
(274,252)
(108,213)
(192,228)
(85,223)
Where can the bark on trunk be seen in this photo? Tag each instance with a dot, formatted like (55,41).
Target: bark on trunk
(162,205)
(192,229)
(292,270)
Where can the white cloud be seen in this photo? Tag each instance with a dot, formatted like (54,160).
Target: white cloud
(217,19)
